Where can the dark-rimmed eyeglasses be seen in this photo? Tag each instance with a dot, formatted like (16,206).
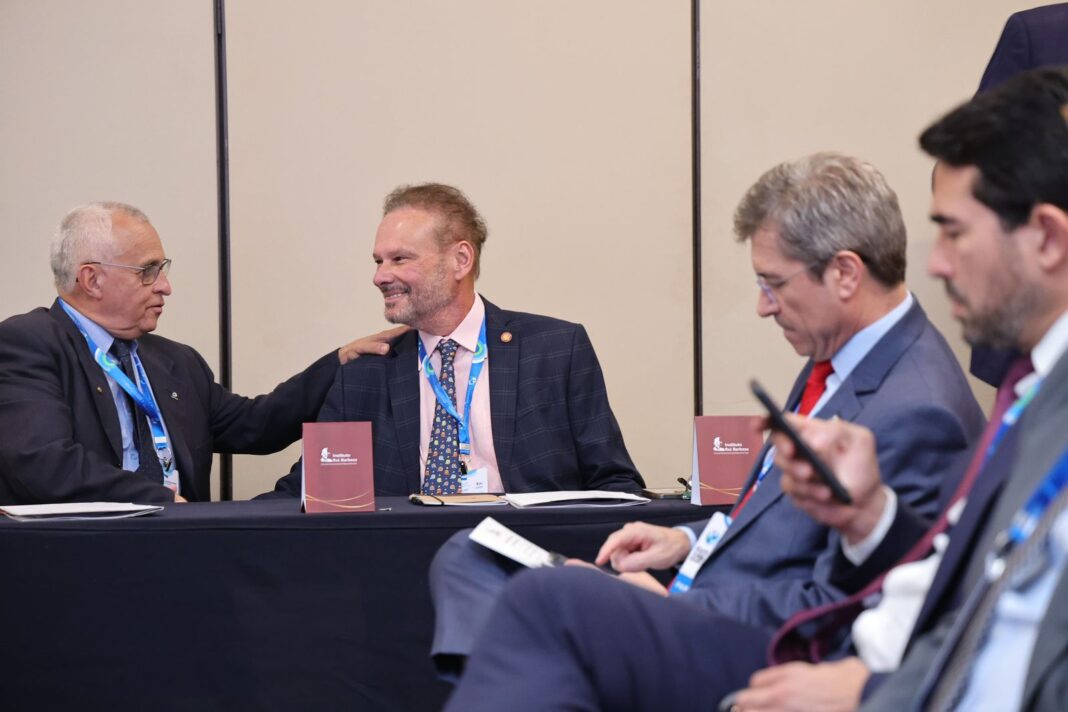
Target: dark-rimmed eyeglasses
(149,273)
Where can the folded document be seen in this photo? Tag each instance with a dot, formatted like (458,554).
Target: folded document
(77,511)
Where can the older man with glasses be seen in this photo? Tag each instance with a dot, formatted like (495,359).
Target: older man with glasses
(93,406)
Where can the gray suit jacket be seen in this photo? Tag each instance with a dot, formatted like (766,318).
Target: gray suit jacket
(775,560)
(1042,438)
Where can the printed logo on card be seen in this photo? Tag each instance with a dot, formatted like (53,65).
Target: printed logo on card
(718,445)
(336,458)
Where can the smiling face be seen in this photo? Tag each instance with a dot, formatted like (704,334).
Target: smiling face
(423,284)
(803,306)
(124,307)
(979,262)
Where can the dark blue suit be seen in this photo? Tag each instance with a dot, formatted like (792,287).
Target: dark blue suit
(59,431)
(1031,39)
(552,426)
(774,560)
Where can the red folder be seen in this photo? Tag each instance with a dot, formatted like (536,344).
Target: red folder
(338,468)
(724,450)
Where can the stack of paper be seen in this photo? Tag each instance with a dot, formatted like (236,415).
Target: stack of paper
(77,510)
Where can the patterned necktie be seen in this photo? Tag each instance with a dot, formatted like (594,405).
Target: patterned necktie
(825,624)
(148,462)
(443,470)
(814,388)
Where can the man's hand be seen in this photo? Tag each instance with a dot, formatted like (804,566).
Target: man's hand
(375,344)
(849,451)
(803,687)
(639,546)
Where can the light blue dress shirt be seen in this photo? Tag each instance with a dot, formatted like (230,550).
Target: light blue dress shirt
(130,452)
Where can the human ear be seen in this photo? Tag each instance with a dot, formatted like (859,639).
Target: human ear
(849,270)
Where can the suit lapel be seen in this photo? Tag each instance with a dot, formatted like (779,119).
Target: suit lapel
(962,535)
(402,376)
(769,491)
(1051,643)
(171,397)
(846,403)
(504,383)
(94,376)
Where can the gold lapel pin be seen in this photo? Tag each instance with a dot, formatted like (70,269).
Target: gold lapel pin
(506,336)
(99,389)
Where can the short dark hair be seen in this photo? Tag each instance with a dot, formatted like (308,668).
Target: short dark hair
(1016,135)
(461,220)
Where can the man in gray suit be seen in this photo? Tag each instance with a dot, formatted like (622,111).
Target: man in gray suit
(827,243)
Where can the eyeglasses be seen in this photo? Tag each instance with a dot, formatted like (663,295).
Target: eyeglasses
(769,288)
(149,273)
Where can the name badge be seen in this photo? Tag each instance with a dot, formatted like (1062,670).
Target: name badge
(475,482)
(702,549)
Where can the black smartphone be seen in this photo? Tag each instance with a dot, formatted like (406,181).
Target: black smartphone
(803,450)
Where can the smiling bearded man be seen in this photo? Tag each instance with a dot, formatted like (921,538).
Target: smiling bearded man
(537,416)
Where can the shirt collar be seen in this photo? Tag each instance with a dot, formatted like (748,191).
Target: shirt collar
(1051,346)
(858,346)
(97,333)
(466,334)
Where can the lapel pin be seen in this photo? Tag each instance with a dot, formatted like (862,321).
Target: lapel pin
(99,389)
(506,336)
(174,395)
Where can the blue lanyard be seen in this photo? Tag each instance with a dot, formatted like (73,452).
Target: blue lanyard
(477,362)
(1011,417)
(143,398)
(1024,523)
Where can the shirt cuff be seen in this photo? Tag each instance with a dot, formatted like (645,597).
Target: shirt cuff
(689,535)
(859,552)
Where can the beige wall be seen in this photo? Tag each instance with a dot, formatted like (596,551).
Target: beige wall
(567,125)
(110,100)
(566,122)
(782,79)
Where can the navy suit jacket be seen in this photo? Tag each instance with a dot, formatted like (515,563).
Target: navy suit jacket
(1031,39)
(774,559)
(59,432)
(552,426)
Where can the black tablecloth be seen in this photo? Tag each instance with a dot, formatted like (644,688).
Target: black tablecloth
(246,605)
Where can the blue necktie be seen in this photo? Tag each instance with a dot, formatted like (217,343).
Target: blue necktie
(443,470)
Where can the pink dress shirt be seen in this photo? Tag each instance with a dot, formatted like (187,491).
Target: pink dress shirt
(482,452)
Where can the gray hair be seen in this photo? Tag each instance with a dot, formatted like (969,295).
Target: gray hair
(825,203)
(84,235)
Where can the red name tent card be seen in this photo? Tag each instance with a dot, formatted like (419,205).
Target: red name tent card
(724,450)
(339,473)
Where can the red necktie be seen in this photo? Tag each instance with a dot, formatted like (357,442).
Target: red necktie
(814,388)
(789,643)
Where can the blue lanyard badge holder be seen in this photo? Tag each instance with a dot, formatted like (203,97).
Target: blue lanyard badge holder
(463,423)
(144,399)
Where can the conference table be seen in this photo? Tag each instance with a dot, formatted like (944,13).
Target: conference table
(247,605)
